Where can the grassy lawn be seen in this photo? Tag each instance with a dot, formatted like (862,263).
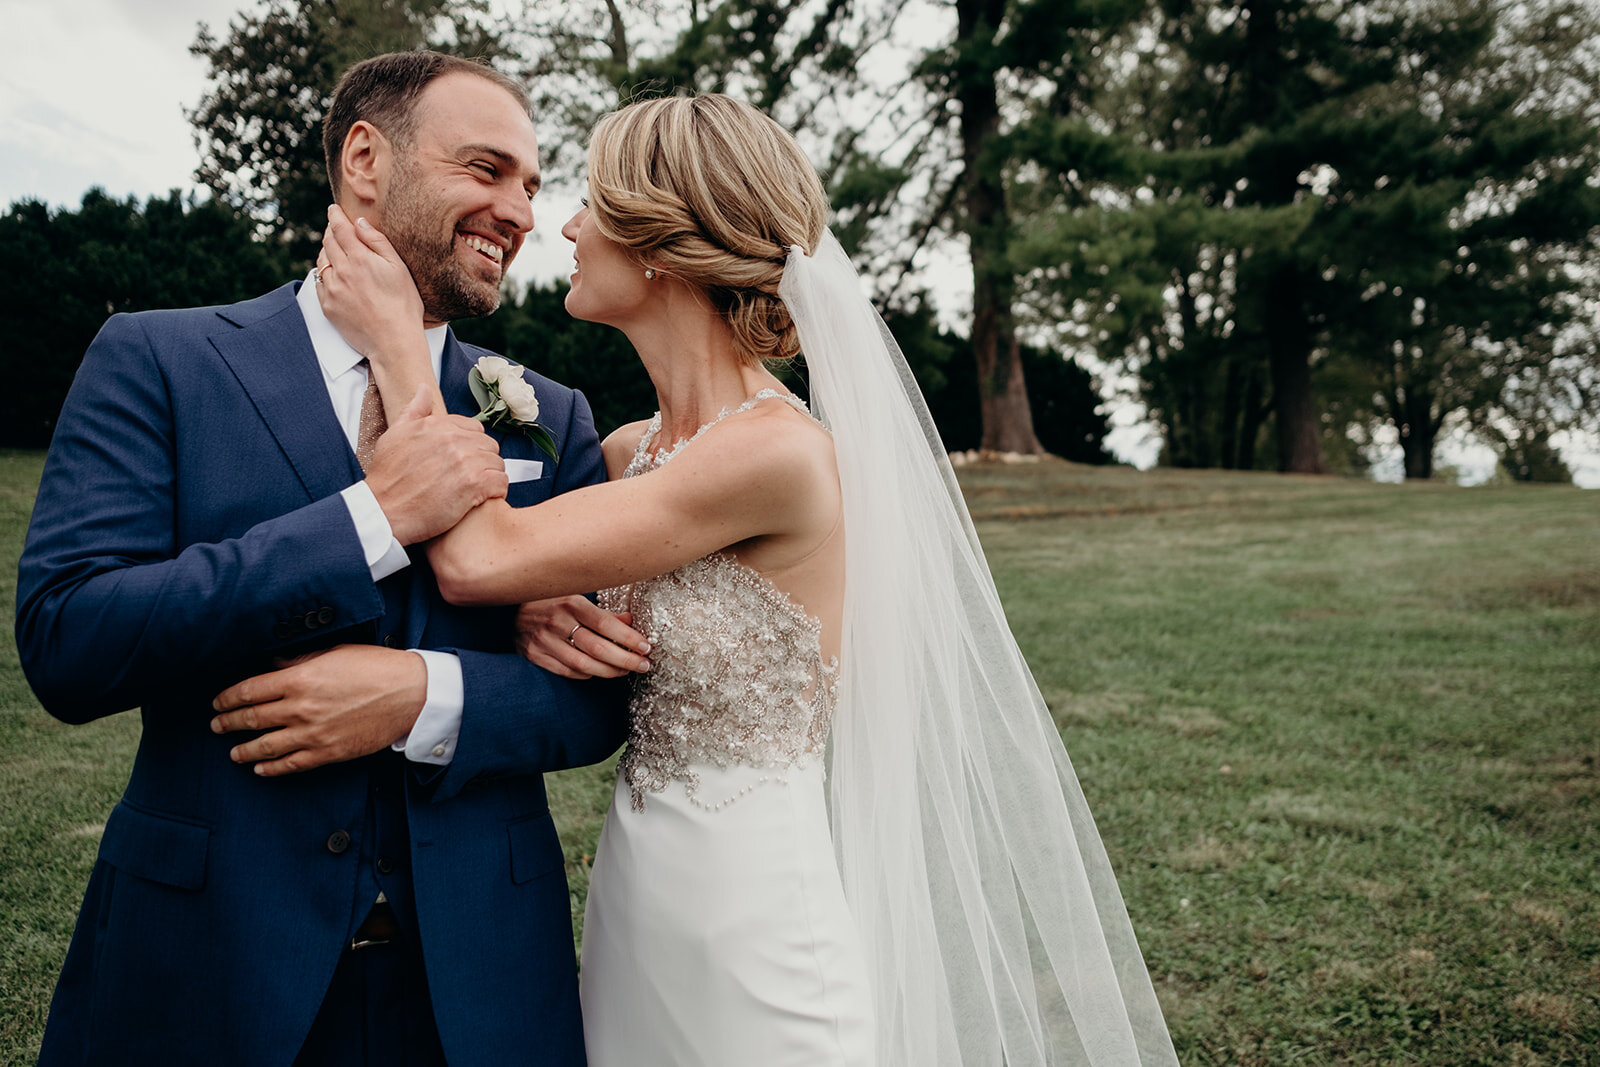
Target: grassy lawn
(1342,740)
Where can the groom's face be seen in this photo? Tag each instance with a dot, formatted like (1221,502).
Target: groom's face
(458,200)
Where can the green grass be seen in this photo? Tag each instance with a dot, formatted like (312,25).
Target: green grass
(1342,741)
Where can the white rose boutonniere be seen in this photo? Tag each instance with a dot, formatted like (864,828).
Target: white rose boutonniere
(507,402)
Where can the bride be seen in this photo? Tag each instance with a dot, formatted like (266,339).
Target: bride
(844,830)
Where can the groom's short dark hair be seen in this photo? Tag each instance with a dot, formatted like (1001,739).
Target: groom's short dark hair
(384,91)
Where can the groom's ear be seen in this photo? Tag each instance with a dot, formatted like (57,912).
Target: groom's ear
(365,163)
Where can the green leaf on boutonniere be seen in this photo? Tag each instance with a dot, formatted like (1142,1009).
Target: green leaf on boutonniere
(543,441)
(480,391)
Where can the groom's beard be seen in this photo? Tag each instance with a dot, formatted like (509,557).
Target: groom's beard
(448,292)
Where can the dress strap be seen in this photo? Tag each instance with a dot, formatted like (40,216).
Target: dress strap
(641,455)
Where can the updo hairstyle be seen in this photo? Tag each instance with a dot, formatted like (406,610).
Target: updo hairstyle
(713,192)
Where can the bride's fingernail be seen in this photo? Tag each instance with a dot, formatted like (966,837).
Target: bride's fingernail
(644,648)
(363,223)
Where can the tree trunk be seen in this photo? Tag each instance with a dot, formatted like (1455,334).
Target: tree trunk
(1232,413)
(1417,432)
(1255,412)
(1282,286)
(1294,403)
(1002,391)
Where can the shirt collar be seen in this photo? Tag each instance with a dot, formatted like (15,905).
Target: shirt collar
(333,351)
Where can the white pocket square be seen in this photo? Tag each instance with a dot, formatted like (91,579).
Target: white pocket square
(523,470)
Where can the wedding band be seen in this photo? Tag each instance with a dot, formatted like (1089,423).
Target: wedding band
(317,274)
(575,629)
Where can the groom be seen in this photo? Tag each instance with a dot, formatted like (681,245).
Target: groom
(203,519)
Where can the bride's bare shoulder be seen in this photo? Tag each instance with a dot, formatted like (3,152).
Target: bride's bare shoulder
(620,445)
(774,440)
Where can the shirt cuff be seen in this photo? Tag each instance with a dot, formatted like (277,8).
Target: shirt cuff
(384,554)
(438,726)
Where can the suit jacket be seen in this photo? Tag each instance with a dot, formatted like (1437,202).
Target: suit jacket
(188,529)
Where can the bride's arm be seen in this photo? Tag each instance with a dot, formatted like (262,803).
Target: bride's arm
(741,480)
(367,293)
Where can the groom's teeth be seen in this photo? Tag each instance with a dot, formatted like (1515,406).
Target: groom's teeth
(488,248)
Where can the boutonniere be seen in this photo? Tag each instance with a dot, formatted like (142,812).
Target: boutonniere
(506,402)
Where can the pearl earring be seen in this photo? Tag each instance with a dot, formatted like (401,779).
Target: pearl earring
(649,274)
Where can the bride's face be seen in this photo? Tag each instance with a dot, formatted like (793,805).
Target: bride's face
(608,284)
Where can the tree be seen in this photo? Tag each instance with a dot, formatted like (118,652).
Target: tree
(1064,403)
(1467,274)
(1012,65)
(259,126)
(906,158)
(68,270)
(1205,149)
(1312,215)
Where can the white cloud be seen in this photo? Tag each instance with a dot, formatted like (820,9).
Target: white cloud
(93,94)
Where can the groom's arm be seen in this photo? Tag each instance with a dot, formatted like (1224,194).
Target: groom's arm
(485,713)
(112,611)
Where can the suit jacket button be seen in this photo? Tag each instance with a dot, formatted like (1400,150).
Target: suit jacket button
(325,616)
(338,841)
(391,640)
(312,620)
(385,865)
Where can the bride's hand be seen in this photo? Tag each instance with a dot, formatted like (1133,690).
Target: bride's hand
(366,290)
(573,637)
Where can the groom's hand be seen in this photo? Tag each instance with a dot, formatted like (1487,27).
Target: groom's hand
(347,702)
(428,472)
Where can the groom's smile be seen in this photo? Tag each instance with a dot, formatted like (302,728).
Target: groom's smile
(490,250)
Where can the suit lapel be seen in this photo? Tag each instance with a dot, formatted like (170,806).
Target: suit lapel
(454,364)
(271,355)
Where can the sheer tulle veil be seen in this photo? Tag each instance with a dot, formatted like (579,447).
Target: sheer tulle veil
(994,930)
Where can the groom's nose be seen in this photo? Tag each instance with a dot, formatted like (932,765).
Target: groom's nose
(514,209)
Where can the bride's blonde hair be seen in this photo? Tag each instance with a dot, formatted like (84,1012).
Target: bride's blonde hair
(711,191)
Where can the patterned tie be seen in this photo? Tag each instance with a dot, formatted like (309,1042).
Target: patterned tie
(373,422)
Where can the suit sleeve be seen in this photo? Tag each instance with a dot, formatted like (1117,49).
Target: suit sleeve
(112,611)
(521,719)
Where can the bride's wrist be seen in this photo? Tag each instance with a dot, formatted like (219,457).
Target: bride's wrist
(392,348)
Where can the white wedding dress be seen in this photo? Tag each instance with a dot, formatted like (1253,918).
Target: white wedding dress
(716,932)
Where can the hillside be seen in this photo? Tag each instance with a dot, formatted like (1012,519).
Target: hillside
(1342,741)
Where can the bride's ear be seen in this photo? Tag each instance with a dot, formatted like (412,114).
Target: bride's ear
(364,163)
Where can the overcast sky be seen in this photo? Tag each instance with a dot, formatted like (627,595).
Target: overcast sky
(93,92)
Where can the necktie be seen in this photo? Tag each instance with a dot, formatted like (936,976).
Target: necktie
(373,422)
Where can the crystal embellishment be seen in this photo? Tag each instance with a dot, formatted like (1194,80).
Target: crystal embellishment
(736,668)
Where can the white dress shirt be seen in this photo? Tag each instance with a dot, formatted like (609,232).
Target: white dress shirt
(433,737)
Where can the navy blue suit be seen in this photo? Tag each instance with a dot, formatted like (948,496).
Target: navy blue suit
(188,530)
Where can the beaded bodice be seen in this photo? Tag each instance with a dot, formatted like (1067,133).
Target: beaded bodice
(736,669)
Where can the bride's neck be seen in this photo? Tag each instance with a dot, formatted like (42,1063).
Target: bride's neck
(696,369)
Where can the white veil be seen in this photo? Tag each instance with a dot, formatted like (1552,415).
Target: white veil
(993,927)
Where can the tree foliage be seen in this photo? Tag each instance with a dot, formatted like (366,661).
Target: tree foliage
(913,142)
(68,270)
(1287,222)
(536,331)
(1318,216)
